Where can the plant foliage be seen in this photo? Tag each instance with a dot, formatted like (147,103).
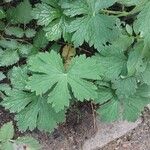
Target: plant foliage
(54,53)
(8,143)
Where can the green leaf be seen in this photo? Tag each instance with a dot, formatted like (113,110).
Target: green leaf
(5,88)
(127,108)
(134,106)
(74,8)
(129,29)
(2,76)
(30,33)
(30,142)
(16,31)
(20,14)
(125,87)
(104,94)
(97,29)
(45,14)
(2,26)
(118,47)
(6,132)
(109,111)
(146,75)
(2,14)
(54,77)
(57,28)
(25,49)
(53,3)
(143,23)
(19,77)
(32,116)
(132,2)
(9,57)
(6,146)
(30,108)
(79,7)
(17,100)
(110,67)
(135,61)
(40,40)
(12,44)
(54,21)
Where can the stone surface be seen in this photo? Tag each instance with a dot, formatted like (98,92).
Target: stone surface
(109,132)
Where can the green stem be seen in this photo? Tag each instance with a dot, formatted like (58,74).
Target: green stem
(123,13)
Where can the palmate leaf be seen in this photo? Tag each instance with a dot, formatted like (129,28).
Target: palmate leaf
(97,29)
(126,108)
(32,111)
(49,74)
(39,114)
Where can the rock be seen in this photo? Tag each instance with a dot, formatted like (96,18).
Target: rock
(148,106)
(109,132)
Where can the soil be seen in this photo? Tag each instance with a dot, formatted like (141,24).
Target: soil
(137,139)
(79,126)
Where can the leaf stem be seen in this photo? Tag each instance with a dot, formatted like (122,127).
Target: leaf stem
(123,13)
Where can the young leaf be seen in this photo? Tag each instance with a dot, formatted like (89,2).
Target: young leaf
(53,74)
(2,76)
(30,33)
(6,132)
